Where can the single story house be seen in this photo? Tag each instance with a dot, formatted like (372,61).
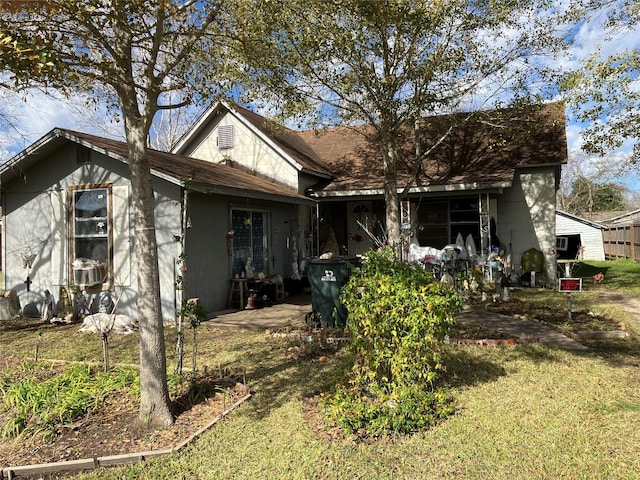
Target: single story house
(577,237)
(68,221)
(251,198)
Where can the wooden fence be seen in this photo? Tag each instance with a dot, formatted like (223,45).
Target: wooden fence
(622,241)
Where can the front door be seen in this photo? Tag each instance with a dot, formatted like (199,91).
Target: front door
(360,219)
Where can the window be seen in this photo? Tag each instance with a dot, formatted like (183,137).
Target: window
(250,241)
(91,235)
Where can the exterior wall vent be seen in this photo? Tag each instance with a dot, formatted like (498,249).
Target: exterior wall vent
(83,154)
(225,137)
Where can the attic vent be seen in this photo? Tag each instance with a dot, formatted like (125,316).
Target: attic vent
(225,137)
(83,154)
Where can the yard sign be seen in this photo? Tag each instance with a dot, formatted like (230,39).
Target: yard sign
(569,285)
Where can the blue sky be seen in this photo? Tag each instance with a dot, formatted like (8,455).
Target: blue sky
(38,113)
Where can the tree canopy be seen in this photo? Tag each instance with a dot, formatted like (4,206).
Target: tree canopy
(589,196)
(603,92)
(138,57)
(388,63)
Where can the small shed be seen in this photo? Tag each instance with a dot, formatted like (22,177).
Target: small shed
(573,232)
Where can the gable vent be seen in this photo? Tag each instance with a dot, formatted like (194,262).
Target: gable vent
(225,137)
(83,154)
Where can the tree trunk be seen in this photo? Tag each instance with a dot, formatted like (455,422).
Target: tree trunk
(392,214)
(155,403)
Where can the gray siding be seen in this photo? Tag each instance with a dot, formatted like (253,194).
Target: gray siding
(208,257)
(30,223)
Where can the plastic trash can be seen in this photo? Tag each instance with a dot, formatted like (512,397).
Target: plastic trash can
(327,277)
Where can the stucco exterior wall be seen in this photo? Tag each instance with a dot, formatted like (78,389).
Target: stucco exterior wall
(209,255)
(31,216)
(591,237)
(526,217)
(249,151)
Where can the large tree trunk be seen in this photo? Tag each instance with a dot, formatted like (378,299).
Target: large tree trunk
(155,403)
(392,214)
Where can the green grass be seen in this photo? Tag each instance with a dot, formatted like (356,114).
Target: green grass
(620,274)
(523,412)
(35,400)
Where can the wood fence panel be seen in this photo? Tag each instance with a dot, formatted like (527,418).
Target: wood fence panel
(622,241)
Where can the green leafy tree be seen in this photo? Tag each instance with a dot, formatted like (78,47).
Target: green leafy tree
(603,92)
(390,63)
(137,56)
(588,196)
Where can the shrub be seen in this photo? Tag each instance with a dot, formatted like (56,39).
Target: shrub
(398,317)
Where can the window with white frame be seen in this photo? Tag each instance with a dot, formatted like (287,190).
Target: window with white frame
(91,235)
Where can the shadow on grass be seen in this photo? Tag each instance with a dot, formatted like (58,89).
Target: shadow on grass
(472,365)
(464,368)
(278,370)
(29,324)
(283,370)
(587,271)
(201,390)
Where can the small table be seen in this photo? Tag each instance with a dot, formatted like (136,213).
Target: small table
(238,291)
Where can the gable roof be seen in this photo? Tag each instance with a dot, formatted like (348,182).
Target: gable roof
(286,141)
(204,176)
(477,154)
(624,217)
(578,219)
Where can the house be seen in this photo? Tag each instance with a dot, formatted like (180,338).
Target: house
(577,237)
(621,218)
(497,185)
(248,196)
(67,220)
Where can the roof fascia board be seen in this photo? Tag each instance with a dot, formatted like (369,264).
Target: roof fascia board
(256,131)
(460,187)
(206,189)
(538,165)
(206,117)
(31,149)
(580,219)
(61,133)
(193,131)
(623,216)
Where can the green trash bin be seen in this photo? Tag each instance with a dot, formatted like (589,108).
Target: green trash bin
(327,277)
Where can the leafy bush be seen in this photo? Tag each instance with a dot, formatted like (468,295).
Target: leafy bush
(398,317)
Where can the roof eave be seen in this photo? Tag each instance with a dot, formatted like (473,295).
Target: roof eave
(580,219)
(116,156)
(238,192)
(457,187)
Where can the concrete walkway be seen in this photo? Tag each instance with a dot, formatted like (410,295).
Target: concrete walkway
(291,313)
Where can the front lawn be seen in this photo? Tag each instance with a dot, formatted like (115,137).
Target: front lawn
(522,412)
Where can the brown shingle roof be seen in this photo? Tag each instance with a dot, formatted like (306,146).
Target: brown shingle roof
(478,150)
(208,176)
